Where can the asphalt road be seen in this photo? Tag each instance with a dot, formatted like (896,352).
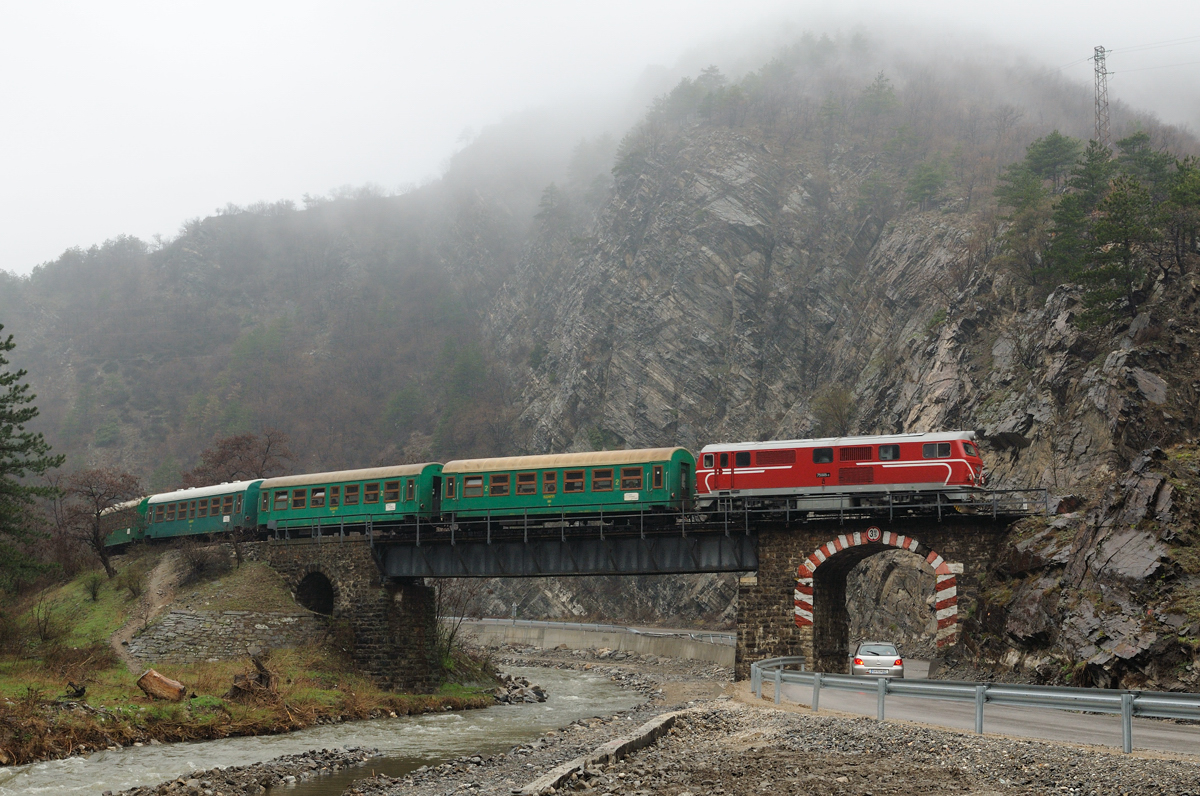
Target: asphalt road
(1055,725)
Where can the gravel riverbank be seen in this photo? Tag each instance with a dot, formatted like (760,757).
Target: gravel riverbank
(725,742)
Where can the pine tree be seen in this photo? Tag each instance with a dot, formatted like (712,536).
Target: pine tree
(22,454)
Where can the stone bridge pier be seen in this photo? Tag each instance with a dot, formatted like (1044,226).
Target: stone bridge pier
(393,624)
(796,605)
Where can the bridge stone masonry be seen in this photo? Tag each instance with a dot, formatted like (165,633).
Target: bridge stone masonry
(796,602)
(392,623)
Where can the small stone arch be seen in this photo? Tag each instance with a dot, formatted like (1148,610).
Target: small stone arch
(945,588)
(316,593)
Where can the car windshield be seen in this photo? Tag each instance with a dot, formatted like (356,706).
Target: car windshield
(877,649)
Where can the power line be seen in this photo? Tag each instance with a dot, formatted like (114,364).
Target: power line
(1163,66)
(1154,45)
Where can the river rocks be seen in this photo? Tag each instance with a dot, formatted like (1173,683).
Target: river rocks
(513,690)
(257,779)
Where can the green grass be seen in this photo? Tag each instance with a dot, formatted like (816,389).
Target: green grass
(252,587)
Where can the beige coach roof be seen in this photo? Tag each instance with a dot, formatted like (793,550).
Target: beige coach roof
(587,459)
(368,474)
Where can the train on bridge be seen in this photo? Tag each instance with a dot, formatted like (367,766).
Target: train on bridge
(624,488)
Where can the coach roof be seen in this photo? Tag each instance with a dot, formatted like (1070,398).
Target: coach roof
(340,476)
(588,459)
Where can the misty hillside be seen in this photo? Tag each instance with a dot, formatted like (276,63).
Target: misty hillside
(930,244)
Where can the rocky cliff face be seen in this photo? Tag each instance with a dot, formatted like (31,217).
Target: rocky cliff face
(727,282)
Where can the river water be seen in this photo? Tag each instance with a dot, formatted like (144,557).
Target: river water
(408,743)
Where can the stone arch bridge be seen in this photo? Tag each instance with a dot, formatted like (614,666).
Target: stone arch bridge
(792,598)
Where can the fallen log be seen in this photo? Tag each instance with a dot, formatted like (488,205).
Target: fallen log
(157,686)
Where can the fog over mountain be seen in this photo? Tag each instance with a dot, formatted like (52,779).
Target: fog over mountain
(130,118)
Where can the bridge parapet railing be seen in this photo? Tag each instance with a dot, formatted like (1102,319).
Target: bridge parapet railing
(1126,703)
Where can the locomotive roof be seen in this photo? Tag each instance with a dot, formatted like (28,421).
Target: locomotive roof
(587,459)
(876,439)
(202,491)
(337,476)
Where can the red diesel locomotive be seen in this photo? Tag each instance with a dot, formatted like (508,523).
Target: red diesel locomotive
(843,471)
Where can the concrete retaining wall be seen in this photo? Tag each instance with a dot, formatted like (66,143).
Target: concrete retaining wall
(571,638)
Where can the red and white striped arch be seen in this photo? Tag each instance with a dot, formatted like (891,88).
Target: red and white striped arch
(945,590)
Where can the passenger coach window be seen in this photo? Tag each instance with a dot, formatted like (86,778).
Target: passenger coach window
(281,500)
(631,478)
(473,486)
(318,498)
(192,510)
(170,511)
(708,460)
(935,450)
(499,484)
(889,453)
(299,498)
(450,488)
(549,483)
(526,483)
(334,496)
(657,479)
(822,455)
(352,495)
(203,509)
(741,459)
(370,493)
(573,481)
(602,480)
(391,491)
(158,513)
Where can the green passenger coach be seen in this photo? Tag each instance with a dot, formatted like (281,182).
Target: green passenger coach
(204,510)
(653,479)
(378,495)
(124,522)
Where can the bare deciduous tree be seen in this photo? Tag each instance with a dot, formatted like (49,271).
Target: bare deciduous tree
(834,410)
(242,457)
(94,503)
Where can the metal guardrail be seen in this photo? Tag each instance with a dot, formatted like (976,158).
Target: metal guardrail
(1127,703)
(703,636)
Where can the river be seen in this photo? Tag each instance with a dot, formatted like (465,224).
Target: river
(408,743)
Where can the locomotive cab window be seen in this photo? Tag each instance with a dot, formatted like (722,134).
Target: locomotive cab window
(299,498)
(335,494)
(450,488)
(318,498)
(656,479)
(473,486)
(526,483)
(602,480)
(573,481)
(281,500)
(549,483)
(970,449)
(822,455)
(935,450)
(741,459)
(391,491)
(708,460)
(499,484)
(631,478)
(370,493)
(889,453)
(352,495)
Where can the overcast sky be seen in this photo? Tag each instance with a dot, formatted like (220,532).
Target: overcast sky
(123,117)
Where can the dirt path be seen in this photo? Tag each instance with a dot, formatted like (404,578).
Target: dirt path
(159,591)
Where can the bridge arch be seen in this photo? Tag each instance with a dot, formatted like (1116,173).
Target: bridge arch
(820,594)
(316,592)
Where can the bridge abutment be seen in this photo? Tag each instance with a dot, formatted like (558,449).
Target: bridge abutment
(393,624)
(796,604)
